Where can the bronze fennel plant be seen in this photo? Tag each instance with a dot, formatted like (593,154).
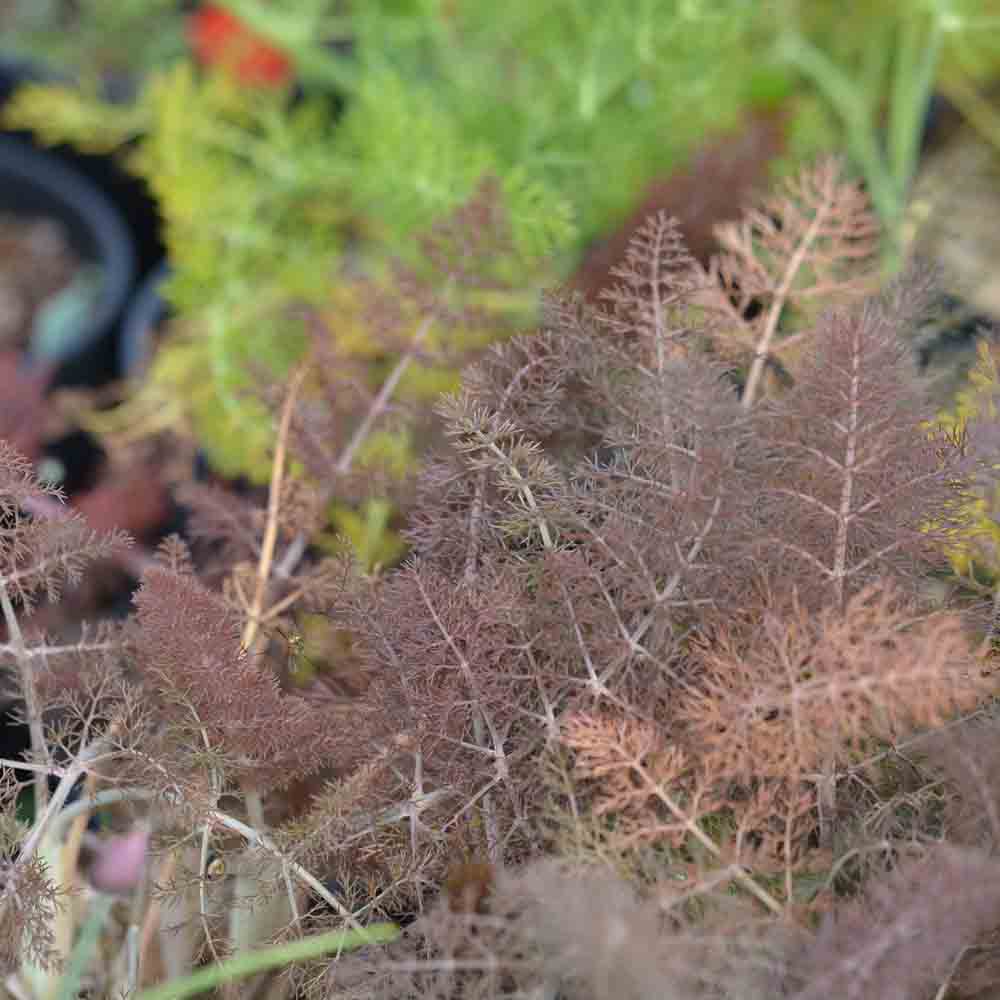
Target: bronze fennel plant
(664,633)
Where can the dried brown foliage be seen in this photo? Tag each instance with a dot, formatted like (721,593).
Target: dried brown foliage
(808,244)
(809,688)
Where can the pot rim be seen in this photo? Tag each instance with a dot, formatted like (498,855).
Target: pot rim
(78,201)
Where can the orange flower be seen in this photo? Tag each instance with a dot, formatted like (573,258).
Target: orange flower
(219,38)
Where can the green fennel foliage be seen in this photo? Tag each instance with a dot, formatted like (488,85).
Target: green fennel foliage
(592,98)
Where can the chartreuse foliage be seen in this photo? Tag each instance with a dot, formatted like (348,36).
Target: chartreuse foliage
(976,550)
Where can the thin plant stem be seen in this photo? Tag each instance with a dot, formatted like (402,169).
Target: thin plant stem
(780,299)
(255,837)
(266,560)
(32,705)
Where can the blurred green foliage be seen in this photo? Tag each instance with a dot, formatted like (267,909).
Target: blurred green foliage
(877,69)
(572,106)
(99,43)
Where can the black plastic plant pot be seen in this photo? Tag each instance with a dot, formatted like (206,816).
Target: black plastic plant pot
(146,311)
(137,343)
(35,183)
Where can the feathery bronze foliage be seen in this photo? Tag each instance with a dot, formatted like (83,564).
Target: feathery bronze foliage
(663,634)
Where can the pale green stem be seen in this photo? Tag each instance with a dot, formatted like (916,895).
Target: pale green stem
(251,962)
